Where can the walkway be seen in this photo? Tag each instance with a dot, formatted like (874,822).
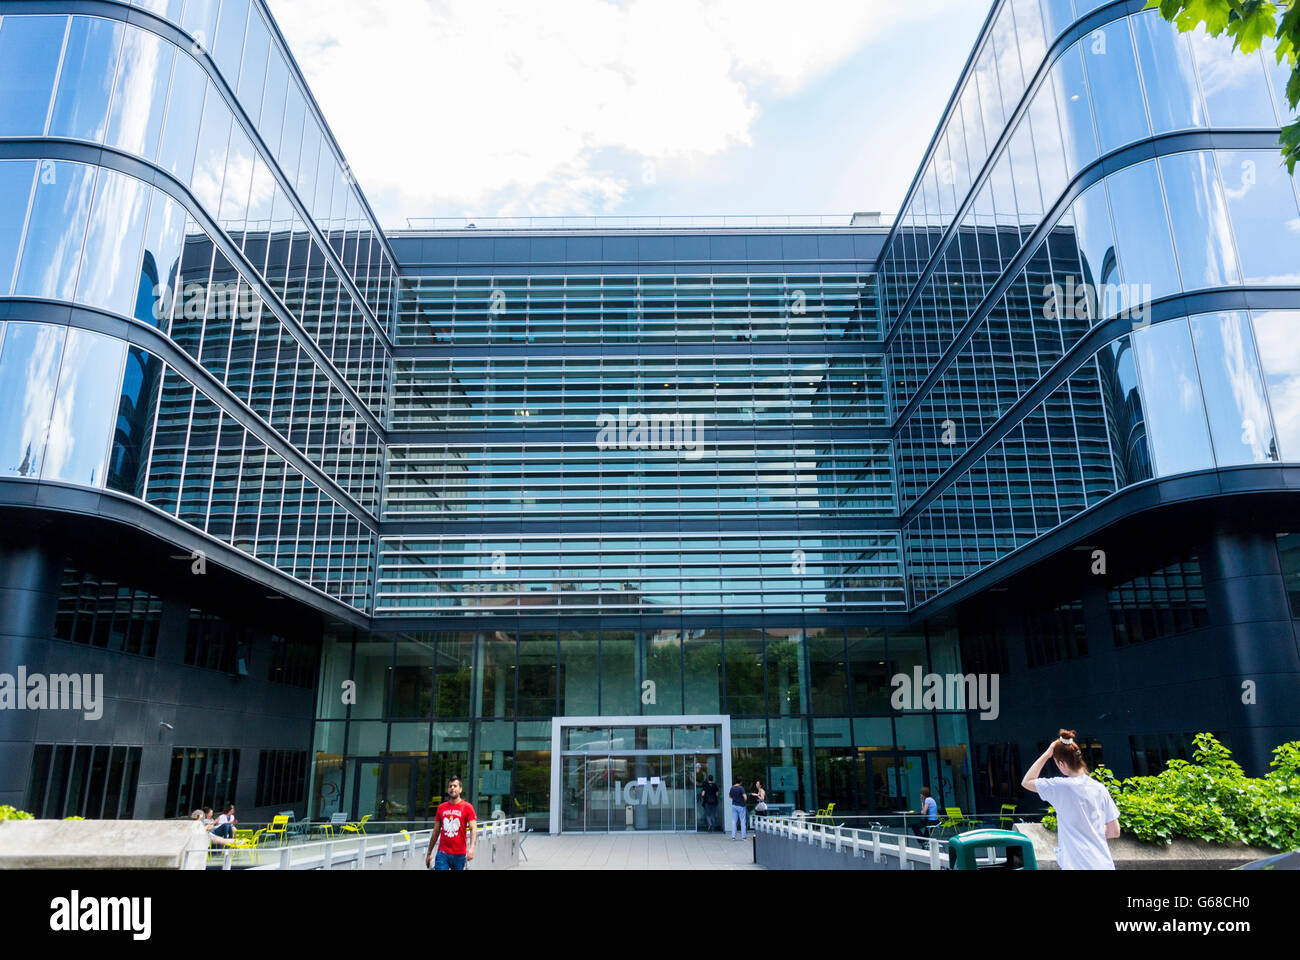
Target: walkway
(638,851)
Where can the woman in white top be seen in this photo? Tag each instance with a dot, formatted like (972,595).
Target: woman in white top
(1086,815)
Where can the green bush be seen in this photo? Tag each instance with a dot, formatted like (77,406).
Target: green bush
(1211,799)
(9,813)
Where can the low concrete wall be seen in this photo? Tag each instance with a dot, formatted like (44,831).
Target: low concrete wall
(102,845)
(1130,854)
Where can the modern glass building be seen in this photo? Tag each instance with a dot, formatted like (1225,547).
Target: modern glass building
(586,511)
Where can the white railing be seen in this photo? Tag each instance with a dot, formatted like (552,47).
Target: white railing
(930,853)
(348,853)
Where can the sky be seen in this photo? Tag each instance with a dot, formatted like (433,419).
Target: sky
(511,108)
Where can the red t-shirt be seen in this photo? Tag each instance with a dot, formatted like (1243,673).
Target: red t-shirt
(453,820)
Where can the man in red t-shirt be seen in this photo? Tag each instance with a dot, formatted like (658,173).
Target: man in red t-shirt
(454,818)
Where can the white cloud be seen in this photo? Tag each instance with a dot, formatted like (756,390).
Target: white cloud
(455,107)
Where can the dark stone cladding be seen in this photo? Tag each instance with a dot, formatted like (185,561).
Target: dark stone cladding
(141,694)
(48,149)
(1192,680)
(147,20)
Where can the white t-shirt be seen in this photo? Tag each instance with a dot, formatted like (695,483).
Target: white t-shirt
(1083,808)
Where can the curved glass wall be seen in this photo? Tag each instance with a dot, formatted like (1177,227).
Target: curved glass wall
(1084,108)
(1214,390)
(90,235)
(1182,223)
(116,84)
(82,408)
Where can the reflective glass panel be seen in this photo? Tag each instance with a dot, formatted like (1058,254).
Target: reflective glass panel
(1234,392)
(1168,73)
(15,193)
(29,51)
(86,79)
(1235,85)
(55,230)
(1145,245)
(184,111)
(29,368)
(109,267)
(140,93)
(1265,218)
(1171,395)
(84,408)
(1278,335)
(1199,215)
(1113,78)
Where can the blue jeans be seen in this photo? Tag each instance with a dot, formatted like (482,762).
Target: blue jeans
(738,817)
(447,861)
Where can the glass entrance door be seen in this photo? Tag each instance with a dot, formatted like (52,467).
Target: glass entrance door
(385,788)
(623,790)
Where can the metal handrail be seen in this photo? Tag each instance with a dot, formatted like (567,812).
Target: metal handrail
(353,850)
(931,854)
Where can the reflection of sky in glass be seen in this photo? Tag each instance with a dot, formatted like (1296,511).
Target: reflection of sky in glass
(1171,396)
(82,421)
(1202,232)
(55,230)
(1262,201)
(1278,335)
(29,365)
(1234,395)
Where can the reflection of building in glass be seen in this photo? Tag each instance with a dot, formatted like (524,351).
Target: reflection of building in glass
(335,505)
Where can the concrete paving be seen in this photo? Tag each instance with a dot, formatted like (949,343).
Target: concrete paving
(638,851)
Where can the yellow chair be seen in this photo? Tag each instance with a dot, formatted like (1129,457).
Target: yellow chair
(1007,820)
(279,828)
(826,813)
(357,827)
(954,820)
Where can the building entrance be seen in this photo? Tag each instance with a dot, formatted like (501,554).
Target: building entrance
(638,774)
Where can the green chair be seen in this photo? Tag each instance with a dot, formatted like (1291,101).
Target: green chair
(1008,818)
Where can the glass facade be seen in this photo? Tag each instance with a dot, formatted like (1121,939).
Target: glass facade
(705,491)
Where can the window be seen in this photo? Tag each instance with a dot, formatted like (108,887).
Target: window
(201,777)
(1288,547)
(103,613)
(216,644)
(293,662)
(1153,751)
(1162,603)
(281,777)
(1056,635)
(94,782)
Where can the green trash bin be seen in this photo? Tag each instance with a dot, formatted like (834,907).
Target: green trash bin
(1011,851)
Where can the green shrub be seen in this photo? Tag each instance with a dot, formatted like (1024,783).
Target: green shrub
(1210,799)
(9,813)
